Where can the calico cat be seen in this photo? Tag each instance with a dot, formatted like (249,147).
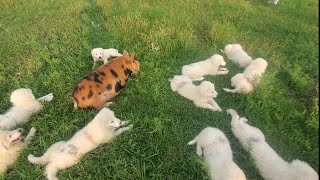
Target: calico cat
(104,83)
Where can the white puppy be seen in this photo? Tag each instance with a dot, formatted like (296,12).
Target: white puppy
(202,95)
(24,104)
(211,66)
(215,147)
(100,54)
(65,154)
(270,165)
(11,144)
(243,82)
(237,55)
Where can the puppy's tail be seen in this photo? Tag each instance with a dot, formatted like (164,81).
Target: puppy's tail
(195,140)
(234,115)
(230,90)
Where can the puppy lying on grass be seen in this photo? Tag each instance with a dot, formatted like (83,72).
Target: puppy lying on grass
(104,127)
(211,66)
(99,54)
(202,95)
(243,82)
(216,150)
(269,163)
(24,104)
(237,55)
(104,83)
(11,144)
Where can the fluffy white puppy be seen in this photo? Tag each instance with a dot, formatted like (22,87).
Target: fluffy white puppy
(11,144)
(100,54)
(24,104)
(216,150)
(65,154)
(202,95)
(269,163)
(237,55)
(211,66)
(243,82)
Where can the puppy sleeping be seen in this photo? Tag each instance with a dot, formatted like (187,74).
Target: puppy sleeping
(269,163)
(211,66)
(11,144)
(216,150)
(104,127)
(202,95)
(238,56)
(243,82)
(99,54)
(24,104)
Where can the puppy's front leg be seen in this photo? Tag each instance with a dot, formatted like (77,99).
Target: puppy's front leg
(222,71)
(204,105)
(215,105)
(31,133)
(121,130)
(47,98)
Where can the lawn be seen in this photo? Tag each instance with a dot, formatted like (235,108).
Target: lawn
(45,46)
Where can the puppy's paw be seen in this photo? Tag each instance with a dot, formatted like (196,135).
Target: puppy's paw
(217,109)
(130,126)
(199,152)
(32,130)
(47,98)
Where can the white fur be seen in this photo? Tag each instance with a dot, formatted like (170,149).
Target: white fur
(100,54)
(24,104)
(274,1)
(64,154)
(202,95)
(216,150)
(11,144)
(210,66)
(243,82)
(237,55)
(269,163)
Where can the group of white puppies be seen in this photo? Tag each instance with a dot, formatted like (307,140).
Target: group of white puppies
(211,142)
(24,104)
(215,147)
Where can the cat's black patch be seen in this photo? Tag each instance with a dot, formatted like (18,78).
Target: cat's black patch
(90,94)
(109,87)
(115,74)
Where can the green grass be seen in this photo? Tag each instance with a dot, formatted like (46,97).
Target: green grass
(45,46)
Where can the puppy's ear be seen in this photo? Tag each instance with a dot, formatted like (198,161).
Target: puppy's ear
(125,54)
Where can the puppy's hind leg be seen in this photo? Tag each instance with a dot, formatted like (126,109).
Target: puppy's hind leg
(44,159)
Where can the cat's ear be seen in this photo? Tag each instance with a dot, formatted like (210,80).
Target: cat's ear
(125,54)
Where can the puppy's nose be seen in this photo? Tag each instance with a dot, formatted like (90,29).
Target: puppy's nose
(99,57)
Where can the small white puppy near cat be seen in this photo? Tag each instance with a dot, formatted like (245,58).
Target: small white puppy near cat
(216,150)
(211,66)
(270,165)
(244,82)
(100,54)
(104,127)
(202,95)
(237,55)
(24,104)
(11,144)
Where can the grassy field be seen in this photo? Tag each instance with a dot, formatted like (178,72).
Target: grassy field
(45,46)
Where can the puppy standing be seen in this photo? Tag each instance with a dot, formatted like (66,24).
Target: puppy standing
(11,144)
(243,82)
(237,55)
(99,54)
(64,154)
(202,95)
(215,147)
(24,105)
(270,165)
(211,66)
